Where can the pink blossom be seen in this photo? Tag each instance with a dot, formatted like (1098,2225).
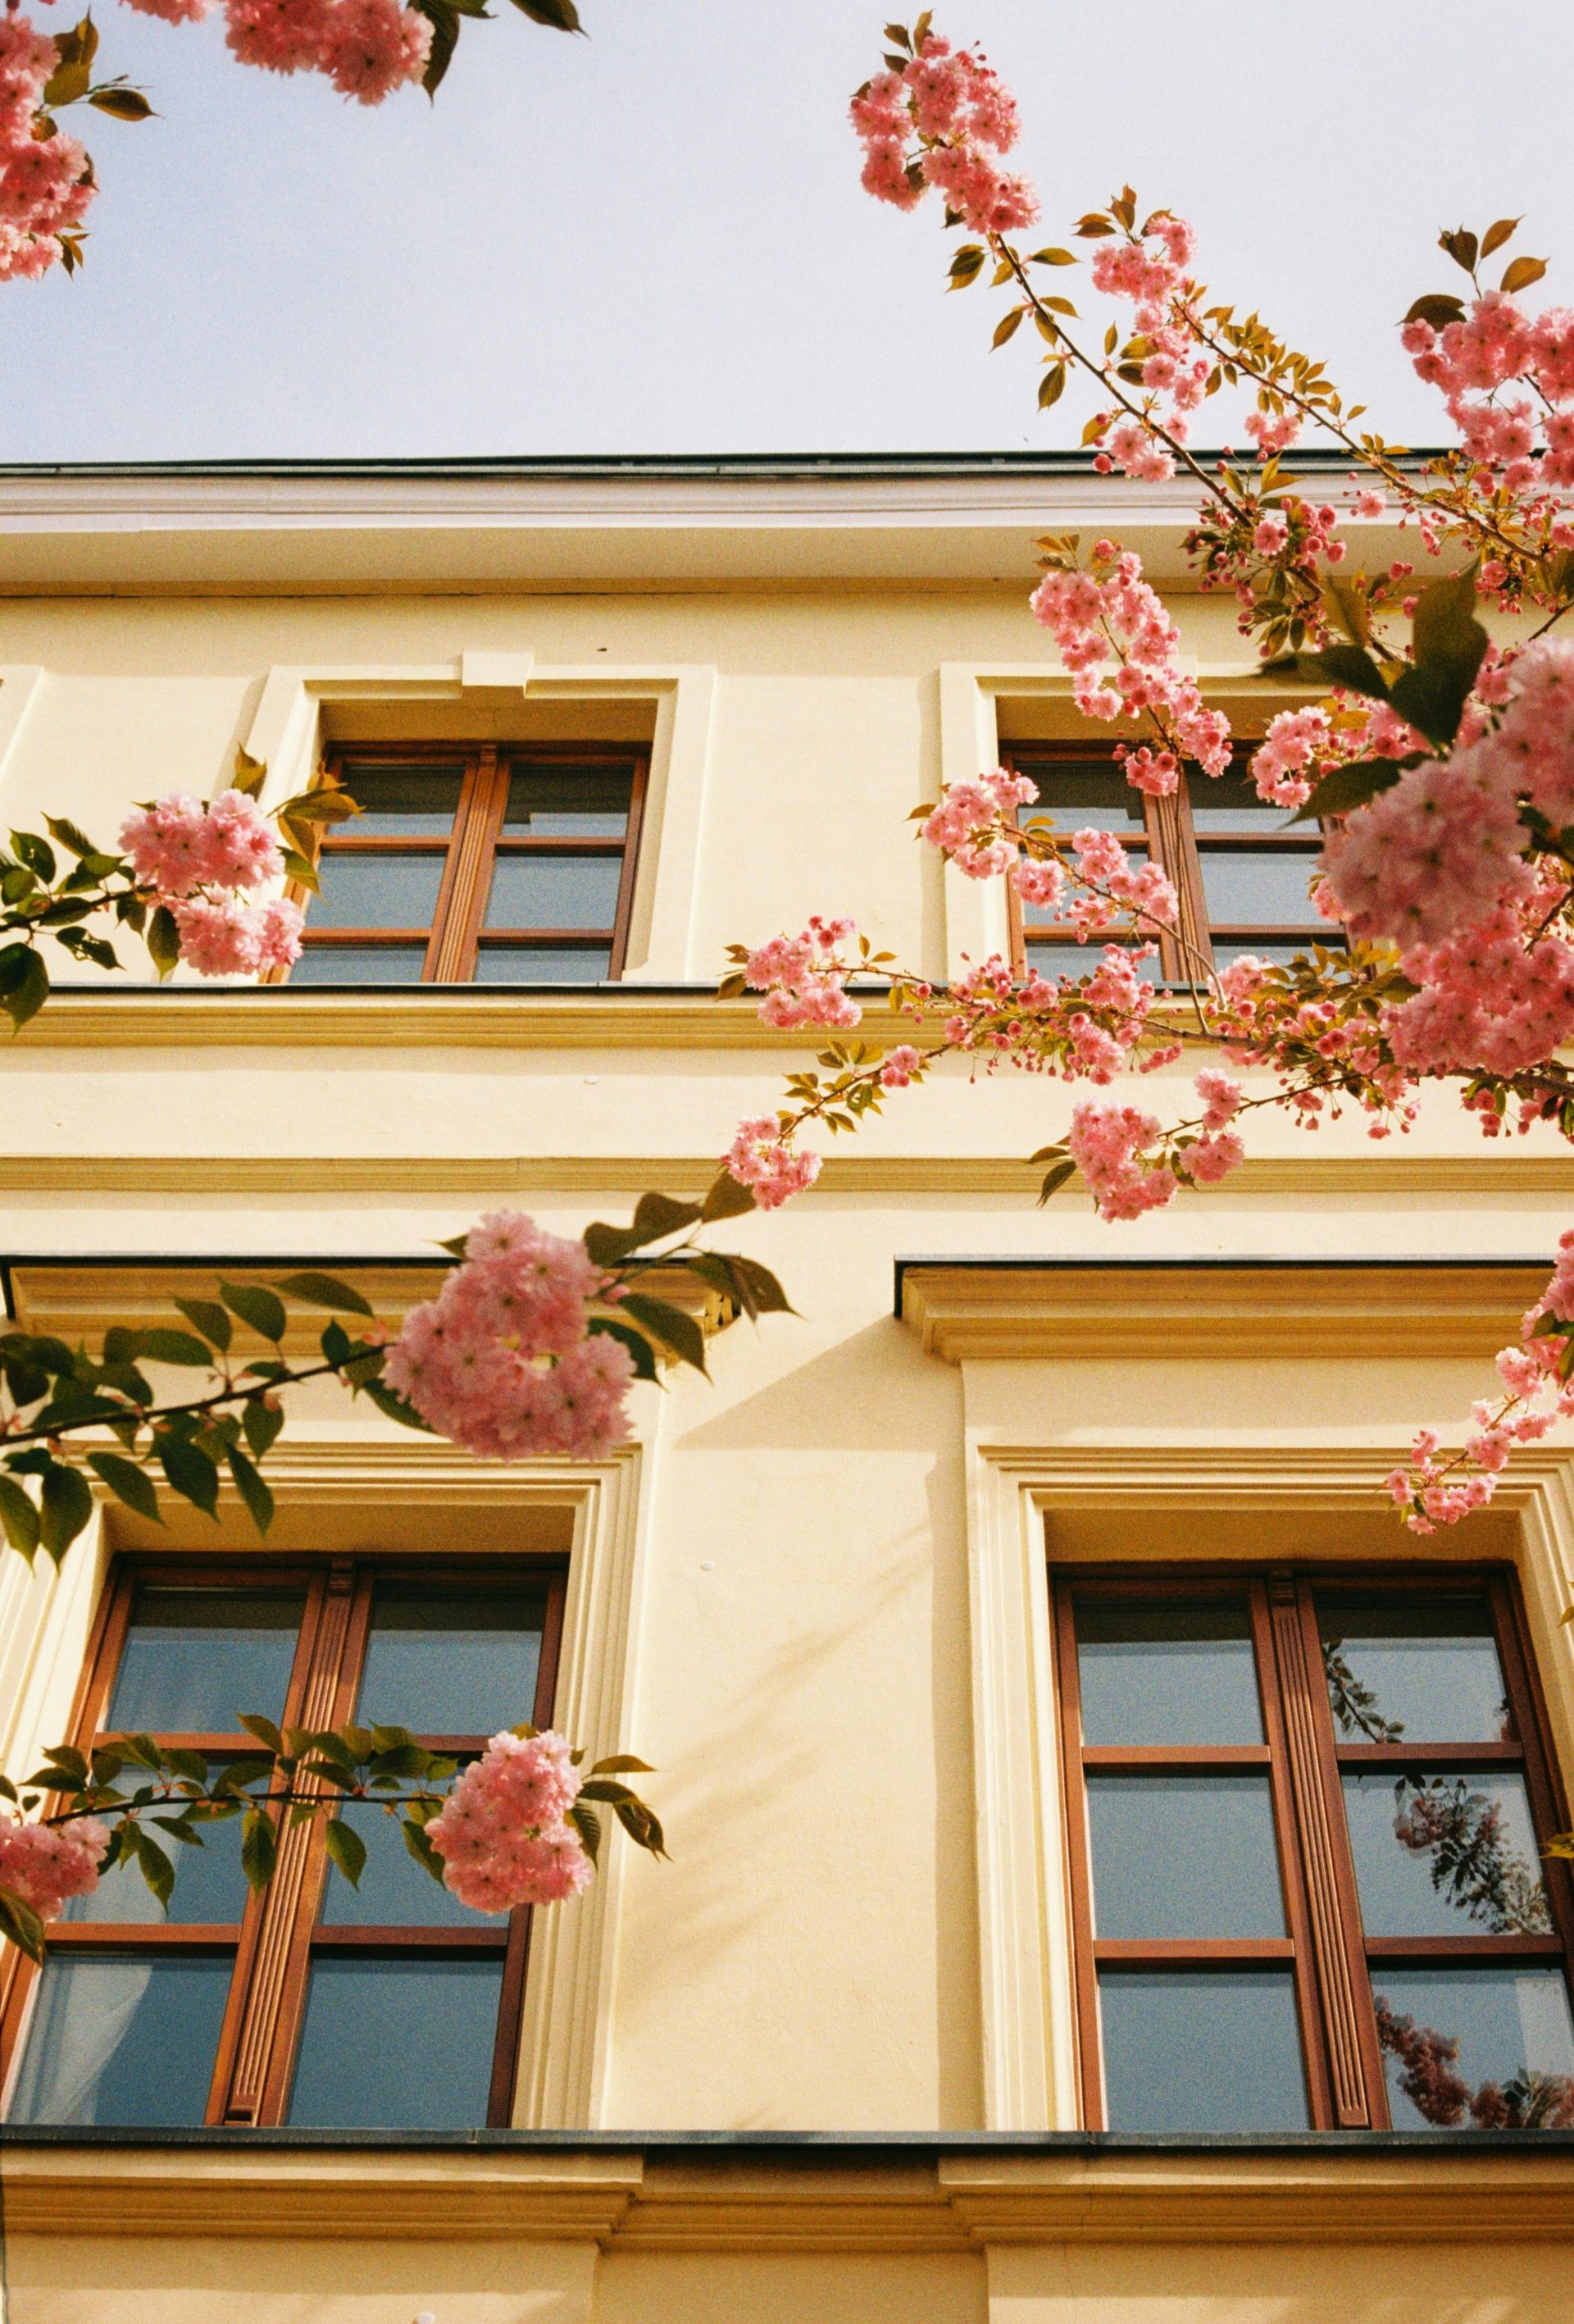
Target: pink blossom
(45,1863)
(1272,432)
(966,826)
(758,1159)
(1370,505)
(501,1831)
(901,1065)
(1222,1098)
(937,123)
(1288,756)
(804,978)
(178,846)
(1106,1142)
(218,936)
(1433,856)
(1270,536)
(1113,615)
(372,47)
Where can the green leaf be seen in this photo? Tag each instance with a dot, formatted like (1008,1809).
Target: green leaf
(262,1424)
(263,1729)
(1053,258)
(421,1847)
(324,1291)
(1344,788)
(249,774)
(347,1849)
(1052,386)
(557,16)
(190,1471)
(121,104)
(1007,326)
(165,1347)
(394,1407)
(73,838)
(1348,666)
(67,1504)
(966,264)
(206,1316)
(21,1923)
(259,1848)
(36,854)
(1521,273)
(19,1516)
(643,1828)
(638,1345)
(327,804)
(669,1325)
(27,988)
(587,1824)
(264,1310)
(758,1291)
(128,1482)
(726,1199)
(1057,1178)
(256,1494)
(1438,308)
(622,1763)
(164,941)
(296,866)
(156,1867)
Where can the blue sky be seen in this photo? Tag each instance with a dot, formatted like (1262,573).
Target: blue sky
(653,239)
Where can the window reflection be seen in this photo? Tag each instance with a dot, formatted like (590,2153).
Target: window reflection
(1412,1669)
(1491,2049)
(1445,1855)
(194,1657)
(117,2040)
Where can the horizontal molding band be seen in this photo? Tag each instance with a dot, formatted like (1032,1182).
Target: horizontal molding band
(1469,1177)
(697,2201)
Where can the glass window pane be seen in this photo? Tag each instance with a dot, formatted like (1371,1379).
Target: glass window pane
(1445,1856)
(194,1658)
(376,891)
(1201,2049)
(210,1886)
(1279,955)
(467,1658)
(396,2044)
(1244,888)
(568,802)
(394,1892)
(1229,802)
(1413,1668)
(402,802)
(1476,2048)
(554,891)
(1167,1670)
(1094,796)
(359,964)
(1071,959)
(117,2040)
(1183,1856)
(543,964)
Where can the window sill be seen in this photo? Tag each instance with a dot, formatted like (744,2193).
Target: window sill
(906,2191)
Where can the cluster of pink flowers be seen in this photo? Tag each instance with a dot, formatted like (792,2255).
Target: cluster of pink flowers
(502,1360)
(198,861)
(1149,270)
(502,1833)
(804,978)
(366,48)
(46,182)
(1110,613)
(45,1863)
(1431,856)
(760,1158)
(1111,886)
(1108,1144)
(1272,431)
(903,1064)
(1286,763)
(948,105)
(966,825)
(1473,360)
(1083,1028)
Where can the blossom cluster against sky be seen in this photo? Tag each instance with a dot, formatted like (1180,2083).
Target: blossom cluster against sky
(653,240)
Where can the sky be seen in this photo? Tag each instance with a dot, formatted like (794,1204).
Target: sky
(652,239)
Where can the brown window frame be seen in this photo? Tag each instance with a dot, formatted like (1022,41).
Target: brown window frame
(272,1944)
(1174,843)
(456,935)
(1325,1945)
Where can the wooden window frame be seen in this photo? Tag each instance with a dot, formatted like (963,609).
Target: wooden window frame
(272,1946)
(1174,843)
(1325,1946)
(456,935)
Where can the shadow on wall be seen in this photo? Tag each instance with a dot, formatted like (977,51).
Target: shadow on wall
(873,1392)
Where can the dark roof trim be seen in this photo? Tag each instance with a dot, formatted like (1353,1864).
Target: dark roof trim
(856,2147)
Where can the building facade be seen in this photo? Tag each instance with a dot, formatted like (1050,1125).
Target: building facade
(1106,1874)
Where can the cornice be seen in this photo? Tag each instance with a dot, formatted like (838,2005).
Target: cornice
(986,1311)
(633,2200)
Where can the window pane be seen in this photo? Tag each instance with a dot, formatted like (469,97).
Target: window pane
(395,1891)
(1244,886)
(402,802)
(1413,1668)
(543,964)
(568,802)
(1054,960)
(1445,1856)
(396,2044)
(376,891)
(1279,955)
(1096,795)
(1195,2050)
(554,891)
(1183,1856)
(1488,2049)
(1229,802)
(210,1886)
(466,1659)
(359,964)
(117,2040)
(1167,1670)
(195,1658)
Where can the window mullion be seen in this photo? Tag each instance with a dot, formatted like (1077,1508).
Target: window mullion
(264,2023)
(630,860)
(1079,1861)
(467,877)
(1173,846)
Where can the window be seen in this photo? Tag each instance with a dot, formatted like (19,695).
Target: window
(388,2006)
(1305,1822)
(490,864)
(1240,872)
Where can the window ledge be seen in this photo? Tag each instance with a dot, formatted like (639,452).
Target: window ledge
(696,2190)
